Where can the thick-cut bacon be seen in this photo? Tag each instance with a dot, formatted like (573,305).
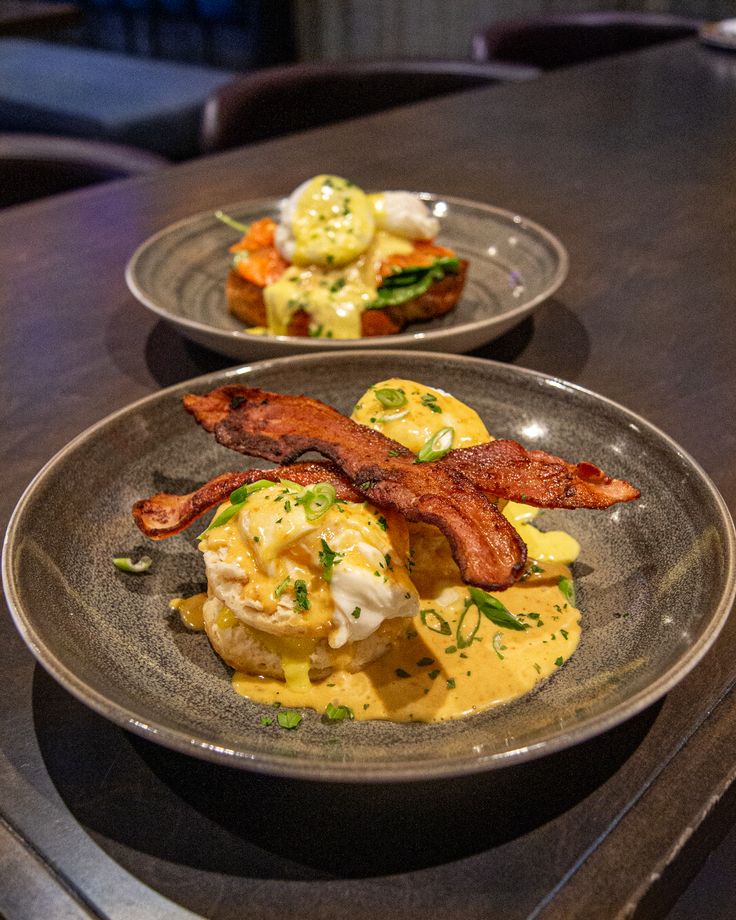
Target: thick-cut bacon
(505,469)
(165,514)
(487,549)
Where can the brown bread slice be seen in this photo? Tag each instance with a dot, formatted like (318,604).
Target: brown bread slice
(245,300)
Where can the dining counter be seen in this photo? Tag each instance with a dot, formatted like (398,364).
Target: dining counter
(630,162)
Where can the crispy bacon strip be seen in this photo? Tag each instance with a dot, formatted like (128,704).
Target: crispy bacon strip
(487,549)
(505,469)
(165,514)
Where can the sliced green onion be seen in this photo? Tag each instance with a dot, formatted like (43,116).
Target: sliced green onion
(317,500)
(497,641)
(466,633)
(437,446)
(126,564)
(390,397)
(392,416)
(223,518)
(231,222)
(568,590)
(435,621)
(280,588)
(495,611)
(240,495)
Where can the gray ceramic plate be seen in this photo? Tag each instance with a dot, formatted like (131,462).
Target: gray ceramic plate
(655,578)
(515,264)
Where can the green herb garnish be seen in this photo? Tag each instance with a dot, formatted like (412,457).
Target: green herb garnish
(430,402)
(235,224)
(436,446)
(126,564)
(328,559)
(465,632)
(408,283)
(337,713)
(390,397)
(568,589)
(559,661)
(301,594)
(288,718)
(495,611)
(435,621)
(317,499)
(282,587)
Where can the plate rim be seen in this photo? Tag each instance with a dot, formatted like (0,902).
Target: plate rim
(366,342)
(349,771)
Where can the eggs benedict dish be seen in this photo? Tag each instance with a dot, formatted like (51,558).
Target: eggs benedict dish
(342,264)
(327,589)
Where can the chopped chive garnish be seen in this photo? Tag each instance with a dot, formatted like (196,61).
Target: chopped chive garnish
(450,683)
(425,662)
(559,661)
(433,675)
(565,633)
(400,672)
(356,613)
(382,523)
(430,402)
(282,587)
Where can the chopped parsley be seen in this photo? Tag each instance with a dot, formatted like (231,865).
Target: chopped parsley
(356,613)
(301,594)
(288,718)
(328,559)
(337,713)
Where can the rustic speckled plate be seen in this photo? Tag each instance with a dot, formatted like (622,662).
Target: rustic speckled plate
(655,578)
(179,274)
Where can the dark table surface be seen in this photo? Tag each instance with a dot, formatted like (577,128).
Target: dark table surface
(630,161)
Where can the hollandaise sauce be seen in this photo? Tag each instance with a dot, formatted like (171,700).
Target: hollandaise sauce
(444,649)
(451,661)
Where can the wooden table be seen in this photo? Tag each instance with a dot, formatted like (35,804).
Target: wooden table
(631,162)
(36,17)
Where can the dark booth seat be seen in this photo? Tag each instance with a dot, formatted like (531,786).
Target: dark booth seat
(281,100)
(35,165)
(101,95)
(562,39)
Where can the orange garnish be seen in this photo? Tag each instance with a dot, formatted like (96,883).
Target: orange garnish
(259,236)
